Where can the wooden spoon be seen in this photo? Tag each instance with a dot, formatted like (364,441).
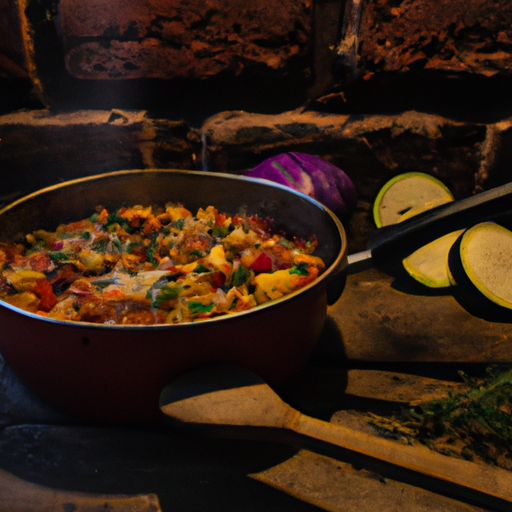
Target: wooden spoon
(228,395)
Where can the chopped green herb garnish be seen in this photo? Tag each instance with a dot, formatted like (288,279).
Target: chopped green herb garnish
(285,243)
(150,254)
(178,224)
(100,245)
(168,292)
(301,269)
(198,307)
(220,231)
(240,276)
(234,302)
(115,218)
(58,256)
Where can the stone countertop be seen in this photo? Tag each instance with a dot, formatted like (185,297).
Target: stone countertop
(383,317)
(380,326)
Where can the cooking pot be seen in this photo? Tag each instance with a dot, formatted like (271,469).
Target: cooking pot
(115,373)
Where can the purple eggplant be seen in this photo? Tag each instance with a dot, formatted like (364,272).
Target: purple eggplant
(312,176)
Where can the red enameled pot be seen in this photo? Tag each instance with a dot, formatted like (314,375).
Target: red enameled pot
(115,373)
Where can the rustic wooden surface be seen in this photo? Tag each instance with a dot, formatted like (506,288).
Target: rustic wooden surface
(219,470)
(336,486)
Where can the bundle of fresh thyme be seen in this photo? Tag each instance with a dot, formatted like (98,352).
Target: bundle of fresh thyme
(473,423)
(483,410)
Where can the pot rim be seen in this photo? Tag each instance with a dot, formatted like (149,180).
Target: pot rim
(332,272)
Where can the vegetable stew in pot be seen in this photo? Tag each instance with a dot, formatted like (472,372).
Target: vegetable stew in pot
(114,372)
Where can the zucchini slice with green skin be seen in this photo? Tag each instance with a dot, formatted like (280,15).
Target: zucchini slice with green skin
(407,195)
(429,264)
(482,256)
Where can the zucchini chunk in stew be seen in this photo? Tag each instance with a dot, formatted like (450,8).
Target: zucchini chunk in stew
(145,265)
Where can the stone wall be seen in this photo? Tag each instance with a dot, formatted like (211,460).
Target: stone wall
(378,87)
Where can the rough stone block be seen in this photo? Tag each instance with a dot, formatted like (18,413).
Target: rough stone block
(38,148)
(382,317)
(447,35)
(186,39)
(11,46)
(371,149)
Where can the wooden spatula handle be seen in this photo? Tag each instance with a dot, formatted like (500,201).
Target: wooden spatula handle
(490,480)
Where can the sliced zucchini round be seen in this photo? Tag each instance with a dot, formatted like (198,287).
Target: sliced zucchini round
(406,195)
(485,255)
(429,264)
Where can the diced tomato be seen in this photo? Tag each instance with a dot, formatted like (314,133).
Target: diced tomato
(114,294)
(263,263)
(261,226)
(40,262)
(44,291)
(220,219)
(217,279)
